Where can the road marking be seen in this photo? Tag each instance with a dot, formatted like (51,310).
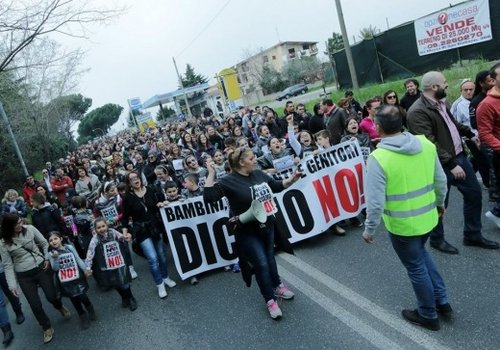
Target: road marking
(362,328)
(413,333)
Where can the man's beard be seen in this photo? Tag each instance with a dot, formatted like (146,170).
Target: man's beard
(440,94)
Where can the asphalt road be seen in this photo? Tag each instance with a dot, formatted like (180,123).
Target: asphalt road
(308,96)
(349,295)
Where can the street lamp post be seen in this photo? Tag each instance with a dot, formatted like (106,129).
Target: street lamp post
(14,141)
(347,48)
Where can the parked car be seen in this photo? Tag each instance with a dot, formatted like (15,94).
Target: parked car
(293,90)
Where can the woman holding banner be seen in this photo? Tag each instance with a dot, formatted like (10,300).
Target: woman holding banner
(141,204)
(246,187)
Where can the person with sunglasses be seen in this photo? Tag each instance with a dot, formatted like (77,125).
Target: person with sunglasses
(254,240)
(391,98)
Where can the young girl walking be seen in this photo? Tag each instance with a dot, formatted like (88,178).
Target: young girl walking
(71,275)
(105,253)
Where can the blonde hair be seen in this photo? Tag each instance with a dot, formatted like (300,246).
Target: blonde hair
(9,192)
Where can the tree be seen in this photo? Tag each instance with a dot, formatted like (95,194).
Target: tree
(191,78)
(335,43)
(70,109)
(367,33)
(304,70)
(271,80)
(167,113)
(24,23)
(100,118)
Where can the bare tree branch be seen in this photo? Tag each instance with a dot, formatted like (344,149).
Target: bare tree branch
(23,22)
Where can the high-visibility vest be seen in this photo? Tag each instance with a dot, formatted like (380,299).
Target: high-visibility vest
(410,200)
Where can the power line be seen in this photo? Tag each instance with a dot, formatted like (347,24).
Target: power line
(204,28)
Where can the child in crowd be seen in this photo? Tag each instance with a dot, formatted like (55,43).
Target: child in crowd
(172,193)
(106,255)
(82,218)
(219,163)
(302,143)
(109,206)
(322,140)
(352,132)
(191,187)
(70,277)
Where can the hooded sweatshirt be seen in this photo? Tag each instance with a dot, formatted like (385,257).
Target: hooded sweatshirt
(488,119)
(404,143)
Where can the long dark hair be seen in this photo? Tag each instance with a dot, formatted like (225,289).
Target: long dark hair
(480,78)
(9,223)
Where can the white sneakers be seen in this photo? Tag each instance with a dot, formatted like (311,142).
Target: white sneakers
(169,282)
(133,274)
(162,292)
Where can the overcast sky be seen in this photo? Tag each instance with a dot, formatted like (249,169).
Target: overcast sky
(133,56)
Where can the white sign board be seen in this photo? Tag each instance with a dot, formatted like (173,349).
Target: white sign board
(457,26)
(331,190)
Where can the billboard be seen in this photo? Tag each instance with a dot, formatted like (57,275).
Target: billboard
(457,26)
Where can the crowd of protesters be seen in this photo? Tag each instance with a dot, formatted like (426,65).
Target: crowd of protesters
(108,192)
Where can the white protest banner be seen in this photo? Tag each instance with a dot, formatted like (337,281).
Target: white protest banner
(199,236)
(331,190)
(465,24)
(68,269)
(113,256)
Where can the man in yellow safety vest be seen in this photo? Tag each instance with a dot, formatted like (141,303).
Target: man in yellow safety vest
(406,187)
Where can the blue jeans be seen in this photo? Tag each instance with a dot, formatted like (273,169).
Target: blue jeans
(427,283)
(4,316)
(258,249)
(472,195)
(155,255)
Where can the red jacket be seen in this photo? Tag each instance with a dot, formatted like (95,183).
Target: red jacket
(59,187)
(488,119)
(28,191)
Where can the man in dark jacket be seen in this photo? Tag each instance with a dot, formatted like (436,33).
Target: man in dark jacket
(335,118)
(46,217)
(270,122)
(430,116)
(412,94)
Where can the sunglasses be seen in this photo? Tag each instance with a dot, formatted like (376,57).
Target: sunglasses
(391,97)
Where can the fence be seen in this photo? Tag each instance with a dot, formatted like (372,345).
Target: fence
(393,54)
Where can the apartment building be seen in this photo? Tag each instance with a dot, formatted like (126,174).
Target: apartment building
(250,70)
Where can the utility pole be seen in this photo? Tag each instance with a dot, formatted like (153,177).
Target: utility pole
(14,141)
(182,87)
(347,48)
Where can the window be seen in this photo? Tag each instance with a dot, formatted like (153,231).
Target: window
(274,58)
(265,59)
(291,53)
(305,46)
